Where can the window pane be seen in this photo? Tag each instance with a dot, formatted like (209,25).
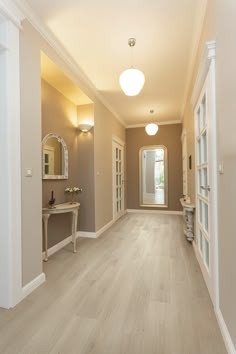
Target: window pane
(206,252)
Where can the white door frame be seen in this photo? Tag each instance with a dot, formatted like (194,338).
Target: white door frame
(120,142)
(10,157)
(207,66)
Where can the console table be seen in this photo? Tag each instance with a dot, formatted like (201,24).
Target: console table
(60,209)
(188,211)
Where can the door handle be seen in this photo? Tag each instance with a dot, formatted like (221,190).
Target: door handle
(206,188)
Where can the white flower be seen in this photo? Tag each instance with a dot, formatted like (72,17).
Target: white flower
(73,190)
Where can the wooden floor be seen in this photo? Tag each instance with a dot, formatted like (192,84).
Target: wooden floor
(135,290)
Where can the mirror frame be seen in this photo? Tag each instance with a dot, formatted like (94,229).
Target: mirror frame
(60,140)
(153,147)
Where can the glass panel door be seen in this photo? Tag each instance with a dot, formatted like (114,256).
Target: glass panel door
(118,180)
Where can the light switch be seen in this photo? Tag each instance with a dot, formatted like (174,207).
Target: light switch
(29,172)
(221,168)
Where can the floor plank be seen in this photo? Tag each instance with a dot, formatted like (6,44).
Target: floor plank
(137,289)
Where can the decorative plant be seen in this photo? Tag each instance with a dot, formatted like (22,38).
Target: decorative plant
(72,191)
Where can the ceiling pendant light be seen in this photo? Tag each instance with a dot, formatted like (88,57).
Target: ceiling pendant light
(151,128)
(132,80)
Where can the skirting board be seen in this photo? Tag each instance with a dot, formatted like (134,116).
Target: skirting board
(31,286)
(67,240)
(145,211)
(225,333)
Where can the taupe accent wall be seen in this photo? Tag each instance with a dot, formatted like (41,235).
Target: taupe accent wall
(98,150)
(59,116)
(169,136)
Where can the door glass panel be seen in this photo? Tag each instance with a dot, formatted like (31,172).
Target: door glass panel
(205,216)
(204,148)
(204,182)
(200,211)
(199,152)
(206,252)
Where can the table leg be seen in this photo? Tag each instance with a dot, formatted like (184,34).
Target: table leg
(45,224)
(74,228)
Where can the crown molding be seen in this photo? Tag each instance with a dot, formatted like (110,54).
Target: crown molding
(9,10)
(195,46)
(51,39)
(208,55)
(130,126)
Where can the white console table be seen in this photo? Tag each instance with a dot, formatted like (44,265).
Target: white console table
(188,211)
(60,209)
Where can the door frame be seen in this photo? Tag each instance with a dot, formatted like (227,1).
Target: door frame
(117,140)
(207,69)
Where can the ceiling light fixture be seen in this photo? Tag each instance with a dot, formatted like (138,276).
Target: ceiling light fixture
(151,128)
(132,80)
(85,127)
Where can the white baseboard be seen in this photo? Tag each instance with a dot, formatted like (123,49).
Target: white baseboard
(86,234)
(225,333)
(150,211)
(105,227)
(31,286)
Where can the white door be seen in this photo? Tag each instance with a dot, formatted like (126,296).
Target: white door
(206,188)
(118,179)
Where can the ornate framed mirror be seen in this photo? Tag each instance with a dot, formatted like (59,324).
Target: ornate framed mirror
(54,157)
(153,183)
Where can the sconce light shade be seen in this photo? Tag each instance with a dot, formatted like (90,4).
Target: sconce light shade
(85,127)
(132,81)
(151,129)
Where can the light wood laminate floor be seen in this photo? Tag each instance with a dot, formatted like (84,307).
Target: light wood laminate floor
(135,290)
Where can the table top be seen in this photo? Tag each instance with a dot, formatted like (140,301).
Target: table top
(61,208)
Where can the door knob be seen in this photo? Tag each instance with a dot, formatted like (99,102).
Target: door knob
(206,188)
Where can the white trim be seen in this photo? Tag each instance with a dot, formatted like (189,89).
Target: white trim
(86,234)
(130,126)
(209,53)
(105,227)
(225,333)
(32,285)
(118,140)
(10,157)
(145,211)
(51,39)
(10,11)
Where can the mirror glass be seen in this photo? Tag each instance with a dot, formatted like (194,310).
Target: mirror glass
(153,176)
(55,157)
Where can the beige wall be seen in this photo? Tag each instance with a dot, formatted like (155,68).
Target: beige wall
(59,116)
(169,136)
(220,25)
(31,43)
(105,127)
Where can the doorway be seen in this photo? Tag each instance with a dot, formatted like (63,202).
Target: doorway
(118,177)
(206,240)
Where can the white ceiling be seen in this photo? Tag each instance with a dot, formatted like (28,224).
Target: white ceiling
(95,33)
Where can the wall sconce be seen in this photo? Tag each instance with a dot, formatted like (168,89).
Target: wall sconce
(85,127)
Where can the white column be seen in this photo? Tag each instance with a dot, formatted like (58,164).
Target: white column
(10,176)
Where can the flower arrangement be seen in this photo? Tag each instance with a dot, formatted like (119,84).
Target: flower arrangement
(72,191)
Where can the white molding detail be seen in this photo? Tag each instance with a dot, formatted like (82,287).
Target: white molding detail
(225,333)
(63,54)
(86,234)
(105,227)
(209,53)
(118,140)
(34,284)
(145,211)
(10,11)
(143,125)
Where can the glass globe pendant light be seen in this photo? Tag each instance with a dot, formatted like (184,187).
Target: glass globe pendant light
(151,128)
(132,80)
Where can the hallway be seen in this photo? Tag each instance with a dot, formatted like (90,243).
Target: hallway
(135,290)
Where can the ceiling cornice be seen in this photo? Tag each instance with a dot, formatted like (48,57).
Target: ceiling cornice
(9,10)
(130,126)
(36,22)
(195,46)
